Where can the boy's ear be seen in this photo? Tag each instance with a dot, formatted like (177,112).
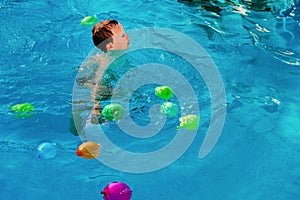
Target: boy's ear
(109,46)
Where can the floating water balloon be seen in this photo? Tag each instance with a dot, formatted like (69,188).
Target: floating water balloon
(46,150)
(116,191)
(169,109)
(89,150)
(189,122)
(164,92)
(22,110)
(89,21)
(113,112)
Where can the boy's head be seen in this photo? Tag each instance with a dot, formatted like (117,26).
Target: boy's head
(110,35)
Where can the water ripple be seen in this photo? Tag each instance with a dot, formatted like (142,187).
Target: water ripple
(272,25)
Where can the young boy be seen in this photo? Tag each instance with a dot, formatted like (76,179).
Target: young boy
(107,35)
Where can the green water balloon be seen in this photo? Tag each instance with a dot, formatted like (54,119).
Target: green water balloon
(89,21)
(113,112)
(164,92)
(189,122)
(23,110)
(169,109)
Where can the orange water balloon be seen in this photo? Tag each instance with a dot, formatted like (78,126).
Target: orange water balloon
(89,150)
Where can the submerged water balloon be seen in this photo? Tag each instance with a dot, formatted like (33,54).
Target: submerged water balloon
(46,150)
(113,112)
(169,109)
(22,110)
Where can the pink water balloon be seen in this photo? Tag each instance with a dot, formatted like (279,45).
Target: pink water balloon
(116,191)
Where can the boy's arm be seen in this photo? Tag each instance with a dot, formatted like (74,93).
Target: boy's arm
(103,62)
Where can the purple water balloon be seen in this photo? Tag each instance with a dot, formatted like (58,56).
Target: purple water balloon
(116,191)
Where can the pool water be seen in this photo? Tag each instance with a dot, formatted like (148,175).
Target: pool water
(256,52)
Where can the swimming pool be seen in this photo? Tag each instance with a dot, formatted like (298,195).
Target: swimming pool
(256,53)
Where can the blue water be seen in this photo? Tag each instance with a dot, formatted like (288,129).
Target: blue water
(258,56)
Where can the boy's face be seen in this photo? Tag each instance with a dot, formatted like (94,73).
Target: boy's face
(120,38)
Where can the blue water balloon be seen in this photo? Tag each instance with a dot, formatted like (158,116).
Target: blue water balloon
(46,150)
